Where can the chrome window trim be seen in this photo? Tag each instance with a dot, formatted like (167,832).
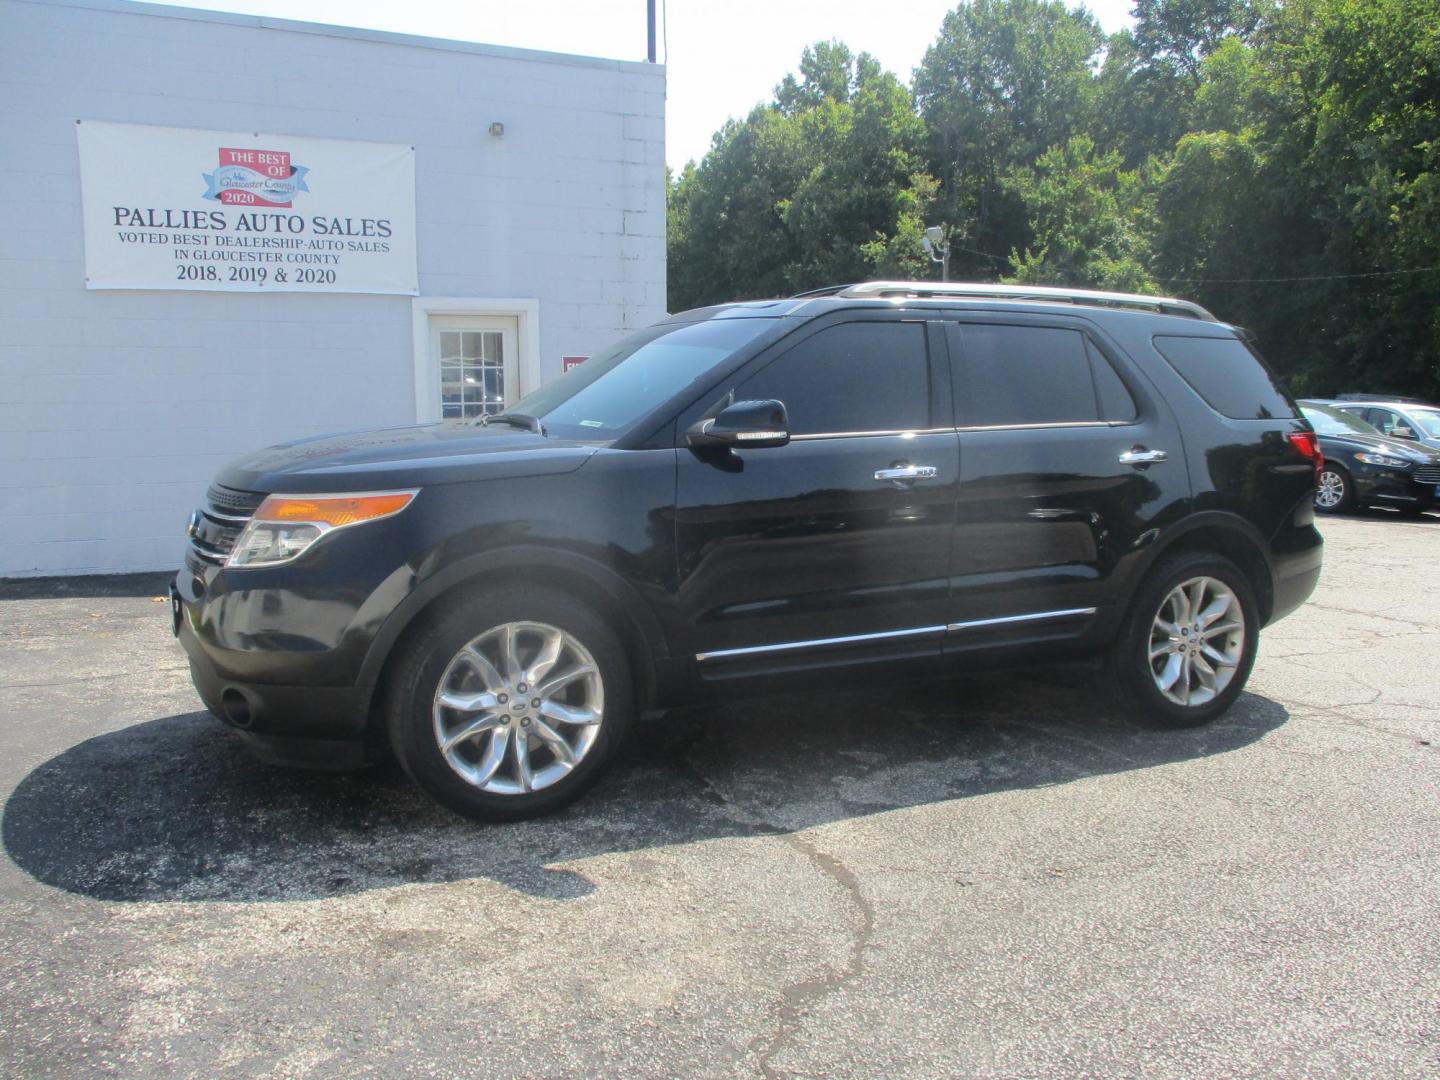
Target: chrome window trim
(787,646)
(869,434)
(1055,424)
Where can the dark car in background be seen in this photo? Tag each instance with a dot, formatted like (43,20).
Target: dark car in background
(1365,468)
(875,484)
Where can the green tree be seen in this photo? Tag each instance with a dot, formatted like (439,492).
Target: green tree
(1141,107)
(1005,80)
(826,184)
(1185,32)
(1089,218)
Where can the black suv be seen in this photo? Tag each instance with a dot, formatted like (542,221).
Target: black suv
(873,482)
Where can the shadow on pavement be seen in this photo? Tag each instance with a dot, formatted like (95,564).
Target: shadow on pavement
(150,583)
(176,810)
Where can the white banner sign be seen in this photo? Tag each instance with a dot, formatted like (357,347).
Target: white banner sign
(173,208)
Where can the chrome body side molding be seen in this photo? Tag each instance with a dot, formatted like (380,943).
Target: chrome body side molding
(815,643)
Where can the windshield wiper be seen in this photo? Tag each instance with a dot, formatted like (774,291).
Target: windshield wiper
(515,419)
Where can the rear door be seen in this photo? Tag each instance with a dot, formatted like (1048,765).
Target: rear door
(1065,462)
(836,546)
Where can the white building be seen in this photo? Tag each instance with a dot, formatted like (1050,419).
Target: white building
(537,232)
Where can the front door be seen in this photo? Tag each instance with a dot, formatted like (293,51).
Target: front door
(1056,486)
(474,364)
(832,549)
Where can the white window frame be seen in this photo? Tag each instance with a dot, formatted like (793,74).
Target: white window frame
(526,314)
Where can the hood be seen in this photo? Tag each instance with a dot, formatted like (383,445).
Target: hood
(1401,448)
(402,457)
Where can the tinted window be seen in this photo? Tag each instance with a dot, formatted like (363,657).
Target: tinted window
(1386,421)
(611,391)
(863,376)
(1114,399)
(1026,375)
(1328,421)
(1228,375)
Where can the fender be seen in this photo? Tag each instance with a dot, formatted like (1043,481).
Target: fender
(516,558)
(1175,535)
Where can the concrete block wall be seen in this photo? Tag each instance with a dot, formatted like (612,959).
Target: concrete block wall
(116,407)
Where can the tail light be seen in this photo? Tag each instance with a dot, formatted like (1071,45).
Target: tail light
(1308,443)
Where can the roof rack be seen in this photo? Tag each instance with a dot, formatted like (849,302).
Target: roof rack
(928,290)
(828,290)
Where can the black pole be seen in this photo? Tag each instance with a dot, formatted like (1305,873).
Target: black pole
(650,26)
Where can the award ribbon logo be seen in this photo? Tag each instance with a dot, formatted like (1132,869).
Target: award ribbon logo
(255,178)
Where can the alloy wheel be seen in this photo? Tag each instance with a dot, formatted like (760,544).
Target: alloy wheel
(1331,492)
(518,708)
(1197,641)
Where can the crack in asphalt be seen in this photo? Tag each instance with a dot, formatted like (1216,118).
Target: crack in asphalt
(799,997)
(1415,627)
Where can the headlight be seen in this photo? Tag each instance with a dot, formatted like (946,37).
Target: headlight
(1382,459)
(286,526)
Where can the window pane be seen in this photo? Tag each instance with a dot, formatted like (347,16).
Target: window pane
(1228,376)
(470,342)
(449,344)
(611,391)
(863,376)
(1116,404)
(493,347)
(1025,375)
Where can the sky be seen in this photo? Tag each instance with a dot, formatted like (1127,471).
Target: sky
(724,56)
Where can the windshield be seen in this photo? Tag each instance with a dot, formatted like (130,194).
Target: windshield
(608,393)
(1429,420)
(1328,421)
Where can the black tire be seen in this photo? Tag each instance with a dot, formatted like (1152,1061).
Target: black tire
(416,676)
(1128,673)
(1335,475)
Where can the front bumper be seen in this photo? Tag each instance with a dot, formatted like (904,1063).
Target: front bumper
(310,726)
(1379,486)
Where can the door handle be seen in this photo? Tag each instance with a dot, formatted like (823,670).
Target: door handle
(1138,455)
(907,472)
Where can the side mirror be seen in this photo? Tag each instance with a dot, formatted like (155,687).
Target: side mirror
(1402,432)
(745,424)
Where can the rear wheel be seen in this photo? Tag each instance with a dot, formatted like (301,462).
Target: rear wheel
(511,704)
(1188,643)
(1335,493)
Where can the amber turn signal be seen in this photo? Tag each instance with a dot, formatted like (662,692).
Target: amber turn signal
(333,510)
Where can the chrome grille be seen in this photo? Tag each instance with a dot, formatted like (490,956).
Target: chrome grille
(217,524)
(1428,474)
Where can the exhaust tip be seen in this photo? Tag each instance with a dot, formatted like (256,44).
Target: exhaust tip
(236,707)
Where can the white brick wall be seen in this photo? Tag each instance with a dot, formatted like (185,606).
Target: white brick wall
(117,407)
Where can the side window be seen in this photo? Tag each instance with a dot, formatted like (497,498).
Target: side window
(1228,375)
(1114,399)
(860,376)
(1029,375)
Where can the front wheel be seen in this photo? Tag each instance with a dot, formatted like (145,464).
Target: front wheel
(510,704)
(1335,493)
(1187,644)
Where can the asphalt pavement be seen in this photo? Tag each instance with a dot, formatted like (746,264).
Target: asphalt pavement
(991,877)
